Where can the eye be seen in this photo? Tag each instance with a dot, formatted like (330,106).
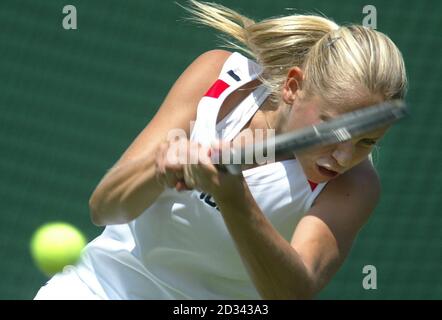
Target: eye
(368,142)
(324,117)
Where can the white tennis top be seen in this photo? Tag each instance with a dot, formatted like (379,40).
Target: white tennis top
(180,248)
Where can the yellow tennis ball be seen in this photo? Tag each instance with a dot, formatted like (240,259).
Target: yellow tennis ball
(55,245)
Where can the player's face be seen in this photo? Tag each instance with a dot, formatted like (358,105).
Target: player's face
(325,163)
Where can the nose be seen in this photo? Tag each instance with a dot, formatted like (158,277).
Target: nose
(343,153)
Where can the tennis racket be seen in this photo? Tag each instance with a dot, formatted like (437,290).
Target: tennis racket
(343,128)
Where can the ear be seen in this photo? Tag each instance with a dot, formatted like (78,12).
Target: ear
(292,84)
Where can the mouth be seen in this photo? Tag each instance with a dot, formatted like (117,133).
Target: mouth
(326,172)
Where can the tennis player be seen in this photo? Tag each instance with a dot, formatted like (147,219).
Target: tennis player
(177,230)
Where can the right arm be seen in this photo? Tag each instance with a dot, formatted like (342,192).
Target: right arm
(130,186)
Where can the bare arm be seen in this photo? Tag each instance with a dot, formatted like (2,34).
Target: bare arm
(321,241)
(130,186)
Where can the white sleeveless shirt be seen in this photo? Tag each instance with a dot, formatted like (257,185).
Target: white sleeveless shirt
(180,247)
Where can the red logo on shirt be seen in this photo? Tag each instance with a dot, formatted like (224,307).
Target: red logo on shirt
(217,89)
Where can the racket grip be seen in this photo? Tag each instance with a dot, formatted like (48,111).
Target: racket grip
(233,169)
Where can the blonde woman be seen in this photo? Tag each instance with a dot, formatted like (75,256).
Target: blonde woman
(179,230)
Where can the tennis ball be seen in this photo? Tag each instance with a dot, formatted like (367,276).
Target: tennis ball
(55,245)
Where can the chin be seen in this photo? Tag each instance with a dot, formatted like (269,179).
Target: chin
(315,179)
(313,174)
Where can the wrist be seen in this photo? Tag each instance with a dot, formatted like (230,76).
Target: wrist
(233,189)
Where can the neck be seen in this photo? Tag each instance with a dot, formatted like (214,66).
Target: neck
(275,115)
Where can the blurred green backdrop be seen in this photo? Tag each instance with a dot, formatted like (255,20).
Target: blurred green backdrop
(72,100)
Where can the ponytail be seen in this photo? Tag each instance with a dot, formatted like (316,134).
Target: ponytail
(338,62)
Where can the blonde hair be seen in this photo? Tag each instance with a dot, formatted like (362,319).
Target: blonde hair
(339,62)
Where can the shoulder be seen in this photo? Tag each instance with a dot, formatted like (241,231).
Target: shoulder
(324,236)
(356,192)
(216,56)
(199,76)
(210,62)
(181,101)
(361,181)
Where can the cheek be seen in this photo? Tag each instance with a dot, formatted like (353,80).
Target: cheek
(307,162)
(303,118)
(361,155)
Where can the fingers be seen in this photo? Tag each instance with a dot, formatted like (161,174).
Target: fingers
(184,165)
(195,171)
(220,152)
(170,162)
(189,177)
(169,171)
(182,186)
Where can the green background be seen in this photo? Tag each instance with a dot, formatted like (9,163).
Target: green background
(71,101)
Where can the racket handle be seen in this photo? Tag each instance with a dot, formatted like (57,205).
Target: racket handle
(233,169)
